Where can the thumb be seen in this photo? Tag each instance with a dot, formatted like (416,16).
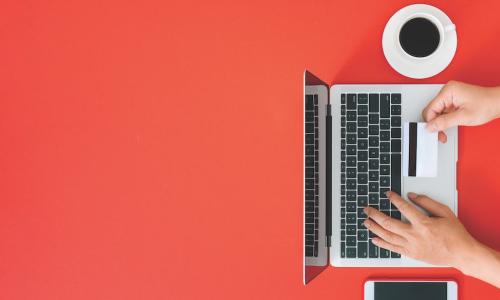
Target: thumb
(445,121)
(433,207)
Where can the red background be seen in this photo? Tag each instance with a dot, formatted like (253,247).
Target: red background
(153,149)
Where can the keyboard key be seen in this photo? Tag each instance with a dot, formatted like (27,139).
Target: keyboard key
(362,133)
(373,129)
(361,224)
(362,201)
(351,115)
(385,170)
(362,166)
(396,145)
(351,207)
(396,121)
(385,124)
(362,121)
(315,96)
(351,252)
(385,181)
(342,144)
(385,135)
(362,178)
(394,255)
(395,214)
(362,109)
(362,249)
(384,253)
(309,228)
(351,149)
(373,164)
(362,235)
(351,218)
(309,128)
(373,103)
(373,186)
(351,184)
(351,161)
(351,138)
(372,250)
(342,121)
(396,133)
(385,147)
(396,173)
(351,173)
(350,240)
(396,98)
(385,158)
(396,110)
(361,213)
(373,198)
(309,183)
(373,152)
(362,189)
(351,101)
(373,119)
(383,190)
(351,229)
(385,204)
(309,102)
(362,144)
(309,251)
(385,106)
(342,98)
(373,176)
(309,116)
(342,249)
(362,98)
(342,109)
(363,155)
(373,141)
(351,127)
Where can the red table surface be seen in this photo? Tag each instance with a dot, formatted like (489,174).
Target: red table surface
(153,149)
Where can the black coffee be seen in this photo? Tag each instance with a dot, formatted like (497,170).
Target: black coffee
(419,37)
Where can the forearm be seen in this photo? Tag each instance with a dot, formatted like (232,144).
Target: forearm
(483,263)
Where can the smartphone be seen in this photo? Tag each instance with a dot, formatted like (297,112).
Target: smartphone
(411,290)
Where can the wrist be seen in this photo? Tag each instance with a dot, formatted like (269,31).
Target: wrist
(493,99)
(473,259)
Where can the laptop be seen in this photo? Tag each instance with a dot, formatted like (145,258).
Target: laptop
(353,150)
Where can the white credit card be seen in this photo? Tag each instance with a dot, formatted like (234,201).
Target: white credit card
(420,150)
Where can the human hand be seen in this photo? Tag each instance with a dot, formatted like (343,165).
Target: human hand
(459,103)
(439,239)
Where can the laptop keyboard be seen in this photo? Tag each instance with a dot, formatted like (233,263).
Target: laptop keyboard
(370,166)
(311,139)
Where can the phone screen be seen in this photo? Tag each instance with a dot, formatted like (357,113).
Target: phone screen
(410,291)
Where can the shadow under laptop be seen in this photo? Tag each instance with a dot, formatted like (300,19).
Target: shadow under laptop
(311,272)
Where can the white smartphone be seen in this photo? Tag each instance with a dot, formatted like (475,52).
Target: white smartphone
(410,290)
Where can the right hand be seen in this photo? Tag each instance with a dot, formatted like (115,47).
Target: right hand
(459,103)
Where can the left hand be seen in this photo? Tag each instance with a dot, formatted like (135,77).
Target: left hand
(439,239)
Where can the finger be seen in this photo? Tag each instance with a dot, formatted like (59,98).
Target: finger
(386,245)
(442,137)
(386,222)
(410,212)
(391,237)
(445,121)
(433,207)
(436,106)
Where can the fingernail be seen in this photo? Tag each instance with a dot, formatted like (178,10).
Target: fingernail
(365,210)
(412,196)
(366,223)
(388,193)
